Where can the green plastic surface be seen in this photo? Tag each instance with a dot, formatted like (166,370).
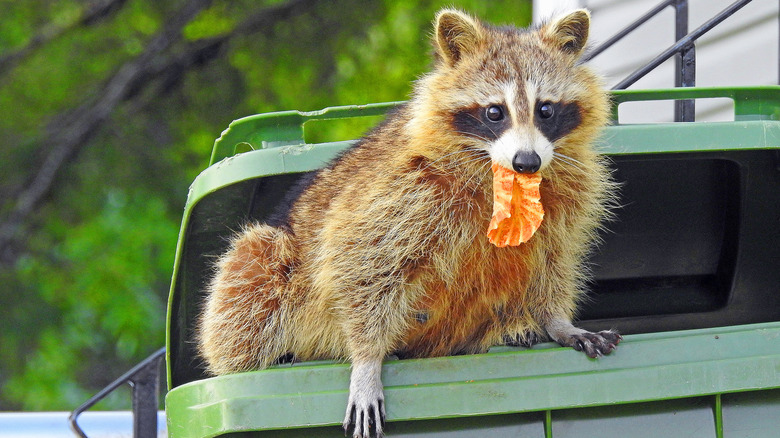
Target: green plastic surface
(659,366)
(718,381)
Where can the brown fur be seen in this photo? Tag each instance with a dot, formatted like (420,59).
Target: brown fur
(386,251)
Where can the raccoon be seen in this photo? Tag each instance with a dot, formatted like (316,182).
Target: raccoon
(384,251)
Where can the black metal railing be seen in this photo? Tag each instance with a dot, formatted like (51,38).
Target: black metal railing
(144,379)
(683,50)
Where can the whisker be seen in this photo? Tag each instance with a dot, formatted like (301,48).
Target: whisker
(484,174)
(468,152)
(569,160)
(470,162)
(464,162)
(566,161)
(473,135)
(484,124)
(568,170)
(462,151)
(481,173)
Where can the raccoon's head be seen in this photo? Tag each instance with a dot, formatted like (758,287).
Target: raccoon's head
(517,94)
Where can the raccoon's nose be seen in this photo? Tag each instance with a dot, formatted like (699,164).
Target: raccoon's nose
(526,162)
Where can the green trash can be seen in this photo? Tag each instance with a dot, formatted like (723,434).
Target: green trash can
(689,271)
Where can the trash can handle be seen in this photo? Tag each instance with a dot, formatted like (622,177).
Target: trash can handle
(283,128)
(750,103)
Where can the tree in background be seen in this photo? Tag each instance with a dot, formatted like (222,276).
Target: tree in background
(110,108)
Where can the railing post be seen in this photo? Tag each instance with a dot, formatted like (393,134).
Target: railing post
(685,64)
(146,390)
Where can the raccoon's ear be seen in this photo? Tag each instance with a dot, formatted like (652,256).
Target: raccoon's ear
(568,33)
(457,34)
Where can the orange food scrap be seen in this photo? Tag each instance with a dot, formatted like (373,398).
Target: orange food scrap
(517,207)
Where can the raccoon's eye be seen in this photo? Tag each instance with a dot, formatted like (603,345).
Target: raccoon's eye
(494,113)
(546,110)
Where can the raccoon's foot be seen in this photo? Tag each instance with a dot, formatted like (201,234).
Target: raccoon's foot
(592,344)
(596,344)
(366,405)
(527,339)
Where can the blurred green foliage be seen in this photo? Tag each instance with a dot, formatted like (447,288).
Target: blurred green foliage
(83,287)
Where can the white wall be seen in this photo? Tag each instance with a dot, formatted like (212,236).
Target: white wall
(743,50)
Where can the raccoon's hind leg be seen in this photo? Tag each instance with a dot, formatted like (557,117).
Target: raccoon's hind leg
(246,318)
(562,331)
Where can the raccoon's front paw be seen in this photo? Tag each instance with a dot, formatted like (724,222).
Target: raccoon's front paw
(366,405)
(596,344)
(592,344)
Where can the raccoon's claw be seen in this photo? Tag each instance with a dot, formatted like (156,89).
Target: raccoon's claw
(527,339)
(595,344)
(365,420)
